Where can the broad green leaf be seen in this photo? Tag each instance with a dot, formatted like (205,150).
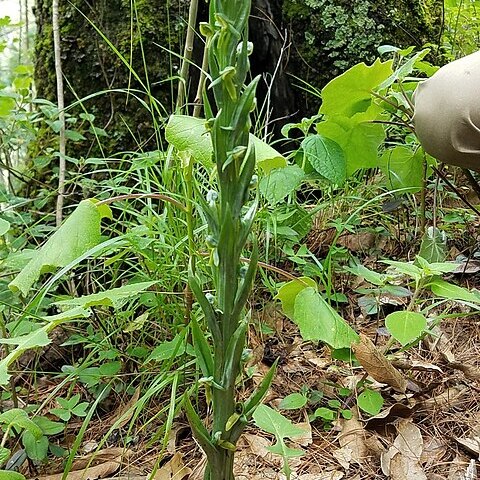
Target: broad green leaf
(447,290)
(4,226)
(115,297)
(403,167)
(281,182)
(370,401)
(293,401)
(79,233)
(434,245)
(10,475)
(189,134)
(326,157)
(37,449)
(168,350)
(7,104)
(318,321)
(74,136)
(358,138)
(406,326)
(325,413)
(368,275)
(18,418)
(349,93)
(405,268)
(48,426)
(275,423)
(288,292)
(4,456)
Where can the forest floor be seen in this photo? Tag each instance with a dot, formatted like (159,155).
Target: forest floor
(429,431)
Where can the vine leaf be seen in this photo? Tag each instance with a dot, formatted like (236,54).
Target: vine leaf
(78,234)
(350,93)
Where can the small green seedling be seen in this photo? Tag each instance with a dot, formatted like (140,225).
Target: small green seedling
(275,423)
(69,407)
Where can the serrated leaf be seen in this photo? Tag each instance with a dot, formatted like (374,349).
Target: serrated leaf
(350,92)
(326,157)
(403,168)
(288,292)
(318,321)
(281,182)
(370,401)
(189,134)
(293,401)
(115,297)
(406,326)
(79,233)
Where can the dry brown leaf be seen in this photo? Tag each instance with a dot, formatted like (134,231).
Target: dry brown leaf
(306,438)
(91,473)
(377,366)
(122,415)
(397,410)
(358,241)
(333,475)
(471,444)
(174,469)
(402,460)
(450,397)
(102,456)
(458,466)
(352,442)
(471,372)
(416,365)
(439,341)
(434,450)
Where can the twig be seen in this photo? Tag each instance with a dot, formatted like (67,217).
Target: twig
(61,112)
(187,53)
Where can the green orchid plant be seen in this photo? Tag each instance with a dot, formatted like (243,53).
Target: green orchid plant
(230,213)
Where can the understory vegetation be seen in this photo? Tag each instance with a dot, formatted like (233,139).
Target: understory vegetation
(238,296)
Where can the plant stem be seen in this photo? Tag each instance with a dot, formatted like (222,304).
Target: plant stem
(187,54)
(61,112)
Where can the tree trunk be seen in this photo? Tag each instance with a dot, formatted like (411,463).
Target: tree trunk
(317,38)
